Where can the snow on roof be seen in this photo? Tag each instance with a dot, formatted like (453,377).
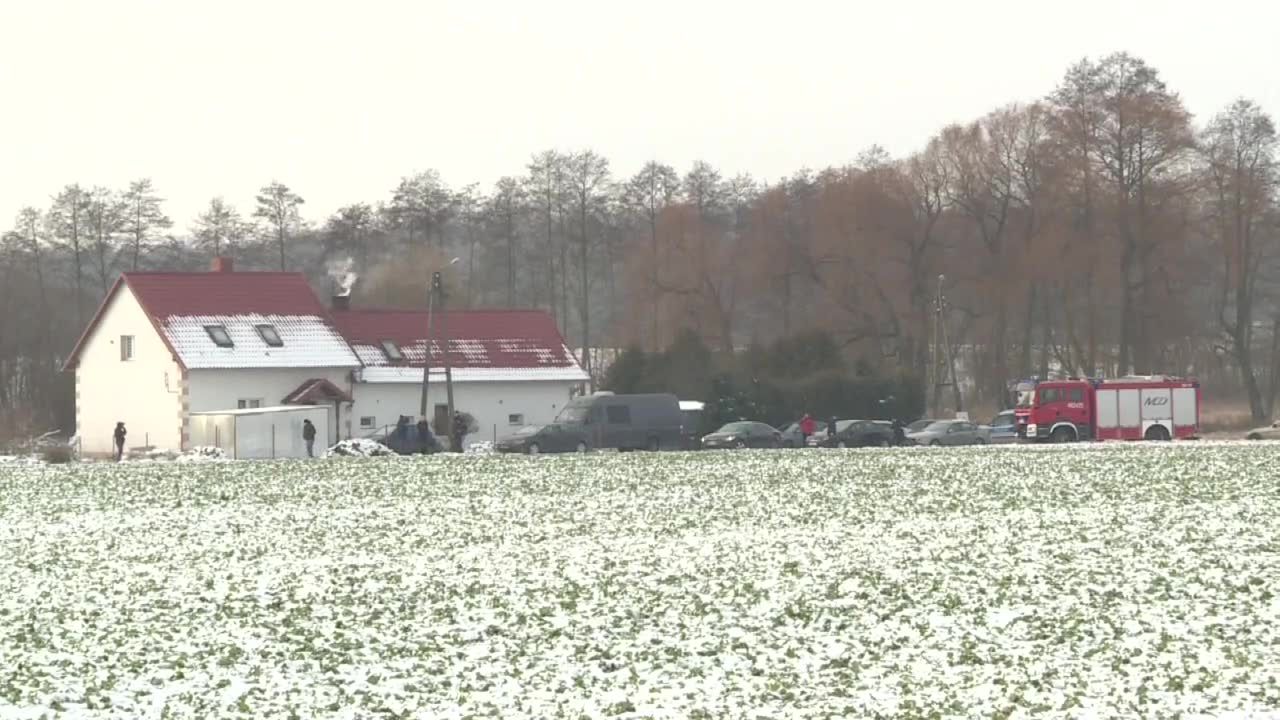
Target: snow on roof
(308,341)
(479,339)
(404,374)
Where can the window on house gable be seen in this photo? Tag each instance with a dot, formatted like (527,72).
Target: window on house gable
(368,422)
(392,351)
(126,348)
(218,334)
(270,336)
(515,419)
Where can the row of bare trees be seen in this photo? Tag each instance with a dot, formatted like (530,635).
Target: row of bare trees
(1096,230)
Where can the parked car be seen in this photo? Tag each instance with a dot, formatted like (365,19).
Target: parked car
(919,425)
(791,437)
(537,439)
(950,432)
(405,439)
(743,434)
(1003,428)
(854,433)
(1270,432)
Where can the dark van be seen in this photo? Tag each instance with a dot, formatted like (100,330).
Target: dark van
(625,422)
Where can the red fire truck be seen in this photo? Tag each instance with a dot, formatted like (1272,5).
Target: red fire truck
(1148,407)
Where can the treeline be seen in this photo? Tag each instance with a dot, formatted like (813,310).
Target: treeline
(778,383)
(1099,229)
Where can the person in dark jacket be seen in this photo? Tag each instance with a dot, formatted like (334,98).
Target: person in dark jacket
(831,427)
(309,435)
(424,435)
(119,436)
(459,430)
(899,433)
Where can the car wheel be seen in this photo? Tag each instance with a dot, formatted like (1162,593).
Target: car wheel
(1254,436)
(1157,433)
(1061,435)
(739,445)
(935,443)
(582,447)
(534,449)
(881,442)
(979,441)
(841,445)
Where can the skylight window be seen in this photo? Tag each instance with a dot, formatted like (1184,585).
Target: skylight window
(218,334)
(392,351)
(270,336)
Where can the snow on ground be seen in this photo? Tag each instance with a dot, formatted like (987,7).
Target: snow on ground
(359,447)
(1121,581)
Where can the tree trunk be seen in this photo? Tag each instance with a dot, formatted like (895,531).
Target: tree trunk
(1028,329)
(1274,379)
(584,311)
(653,280)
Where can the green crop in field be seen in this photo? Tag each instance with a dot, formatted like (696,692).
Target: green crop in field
(1107,581)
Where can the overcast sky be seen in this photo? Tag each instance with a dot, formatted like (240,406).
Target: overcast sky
(341,99)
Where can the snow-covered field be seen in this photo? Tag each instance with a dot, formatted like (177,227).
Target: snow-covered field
(1112,581)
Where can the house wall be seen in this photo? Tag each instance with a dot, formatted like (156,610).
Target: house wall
(492,403)
(212,390)
(145,392)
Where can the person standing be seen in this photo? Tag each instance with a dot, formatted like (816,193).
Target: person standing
(459,431)
(807,426)
(831,427)
(309,435)
(119,436)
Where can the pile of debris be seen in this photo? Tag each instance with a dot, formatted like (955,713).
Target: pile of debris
(359,447)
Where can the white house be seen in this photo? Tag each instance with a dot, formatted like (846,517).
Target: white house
(164,345)
(510,367)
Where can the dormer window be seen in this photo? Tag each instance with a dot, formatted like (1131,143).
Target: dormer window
(392,351)
(218,334)
(270,336)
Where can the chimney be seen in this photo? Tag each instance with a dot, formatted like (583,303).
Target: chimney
(341,302)
(223,264)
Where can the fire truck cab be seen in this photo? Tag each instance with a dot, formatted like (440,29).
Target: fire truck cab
(1130,408)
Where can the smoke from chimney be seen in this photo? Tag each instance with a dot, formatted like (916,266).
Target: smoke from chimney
(343,275)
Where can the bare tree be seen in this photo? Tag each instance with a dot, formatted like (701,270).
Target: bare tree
(647,195)
(68,219)
(144,217)
(506,206)
(106,220)
(278,205)
(422,204)
(1239,164)
(588,180)
(546,189)
(219,229)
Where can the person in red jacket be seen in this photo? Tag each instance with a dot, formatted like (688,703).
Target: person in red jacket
(807,426)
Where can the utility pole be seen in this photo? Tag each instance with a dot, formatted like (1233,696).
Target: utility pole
(942,352)
(426,363)
(444,348)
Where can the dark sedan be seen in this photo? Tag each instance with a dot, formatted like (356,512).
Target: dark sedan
(855,433)
(740,435)
(537,439)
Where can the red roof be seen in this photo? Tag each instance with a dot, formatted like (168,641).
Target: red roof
(478,338)
(224,293)
(168,294)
